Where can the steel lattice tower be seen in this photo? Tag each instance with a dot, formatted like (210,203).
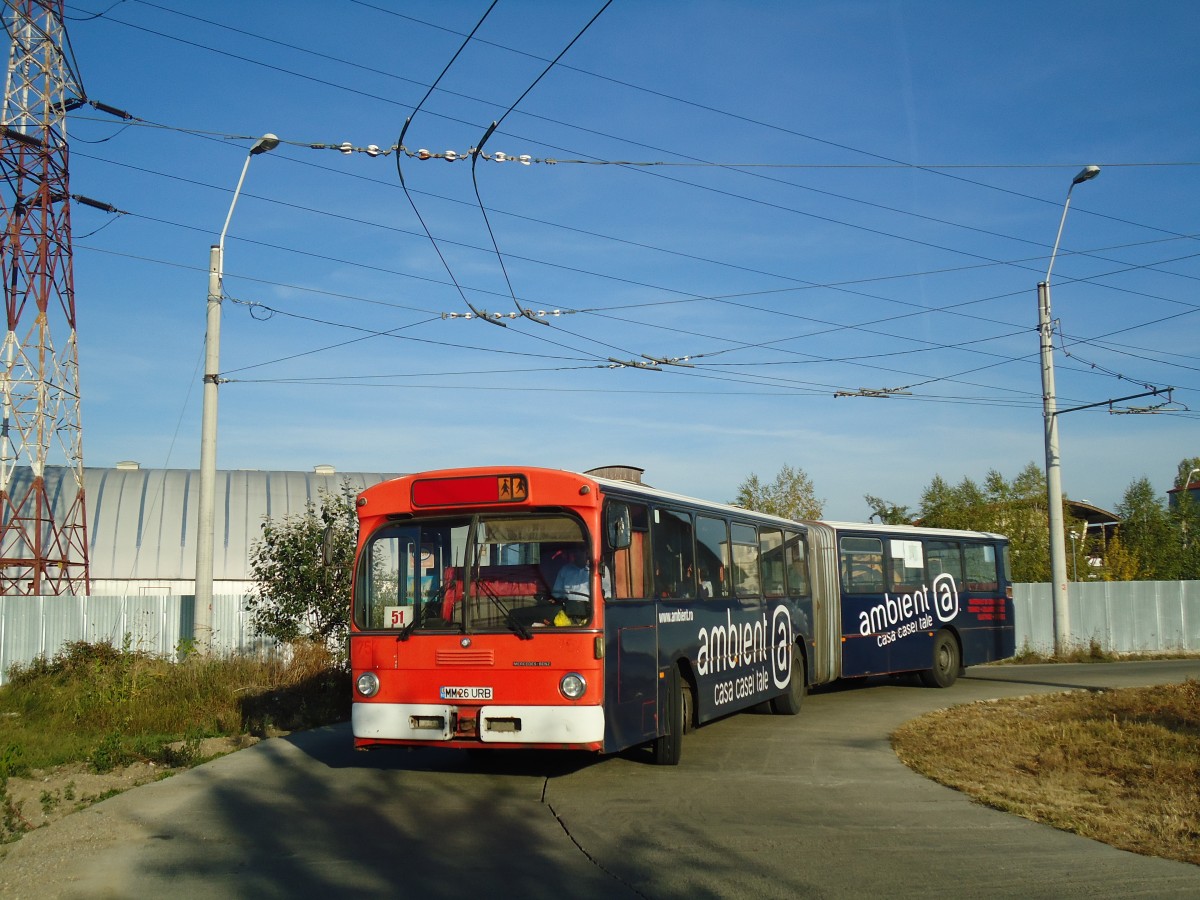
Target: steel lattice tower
(43,539)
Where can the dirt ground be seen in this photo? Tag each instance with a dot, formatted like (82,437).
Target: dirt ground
(45,796)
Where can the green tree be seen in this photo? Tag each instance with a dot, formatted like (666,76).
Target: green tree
(1187,467)
(1119,563)
(1016,509)
(790,495)
(888,513)
(1147,532)
(297,595)
(1185,517)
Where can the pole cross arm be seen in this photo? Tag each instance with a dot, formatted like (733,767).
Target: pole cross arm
(1153,392)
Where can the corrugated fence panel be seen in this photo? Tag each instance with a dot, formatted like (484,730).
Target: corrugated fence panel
(1147,628)
(1090,614)
(104,620)
(1032,620)
(20,631)
(61,621)
(41,626)
(1191,613)
(1120,616)
(231,626)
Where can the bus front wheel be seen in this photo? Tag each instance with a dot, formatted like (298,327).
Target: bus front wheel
(946,662)
(668,749)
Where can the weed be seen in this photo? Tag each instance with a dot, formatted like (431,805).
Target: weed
(50,801)
(11,762)
(88,799)
(111,705)
(183,754)
(1091,652)
(107,705)
(12,823)
(109,754)
(187,647)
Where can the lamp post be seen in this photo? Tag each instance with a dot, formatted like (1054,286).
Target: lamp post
(206,524)
(1058,552)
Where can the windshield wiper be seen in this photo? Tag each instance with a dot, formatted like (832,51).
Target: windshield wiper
(419,614)
(522,630)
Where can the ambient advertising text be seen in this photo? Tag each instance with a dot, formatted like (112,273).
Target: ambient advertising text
(756,653)
(898,616)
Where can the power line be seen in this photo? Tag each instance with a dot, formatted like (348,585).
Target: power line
(997,263)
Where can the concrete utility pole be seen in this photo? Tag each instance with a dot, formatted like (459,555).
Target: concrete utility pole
(206,517)
(1058,550)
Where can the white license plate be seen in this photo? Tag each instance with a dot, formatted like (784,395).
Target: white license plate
(466,693)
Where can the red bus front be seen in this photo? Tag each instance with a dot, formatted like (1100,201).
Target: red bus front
(476,618)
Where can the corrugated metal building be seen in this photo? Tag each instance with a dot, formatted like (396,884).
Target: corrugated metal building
(142,522)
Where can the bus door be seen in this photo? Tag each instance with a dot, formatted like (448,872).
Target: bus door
(865,636)
(911,605)
(630,629)
(812,607)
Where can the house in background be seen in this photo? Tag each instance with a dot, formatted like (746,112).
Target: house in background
(1192,489)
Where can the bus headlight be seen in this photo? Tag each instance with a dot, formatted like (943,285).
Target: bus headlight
(572,686)
(367,684)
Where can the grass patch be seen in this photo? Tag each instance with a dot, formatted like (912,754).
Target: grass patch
(109,707)
(1119,766)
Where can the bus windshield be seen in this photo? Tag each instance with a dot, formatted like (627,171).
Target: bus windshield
(515,572)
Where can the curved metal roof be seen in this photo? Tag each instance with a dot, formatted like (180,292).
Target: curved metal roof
(142,522)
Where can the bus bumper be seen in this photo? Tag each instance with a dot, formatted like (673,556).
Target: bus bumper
(496,724)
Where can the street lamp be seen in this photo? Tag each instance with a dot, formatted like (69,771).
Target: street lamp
(206,524)
(1058,552)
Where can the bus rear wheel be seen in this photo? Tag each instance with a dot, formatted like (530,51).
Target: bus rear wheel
(789,702)
(668,749)
(946,662)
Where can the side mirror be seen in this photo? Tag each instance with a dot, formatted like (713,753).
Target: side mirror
(618,526)
(327,545)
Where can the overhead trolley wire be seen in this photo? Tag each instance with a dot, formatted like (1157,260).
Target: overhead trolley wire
(990,263)
(586,130)
(478,150)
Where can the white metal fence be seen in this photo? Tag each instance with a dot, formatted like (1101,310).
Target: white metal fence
(1127,616)
(1119,616)
(41,626)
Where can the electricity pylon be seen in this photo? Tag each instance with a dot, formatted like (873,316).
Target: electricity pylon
(43,539)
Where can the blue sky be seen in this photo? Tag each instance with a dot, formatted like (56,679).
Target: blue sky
(870,195)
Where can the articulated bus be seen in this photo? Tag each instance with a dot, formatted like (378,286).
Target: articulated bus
(502,608)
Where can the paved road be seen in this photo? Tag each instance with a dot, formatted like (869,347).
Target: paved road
(815,806)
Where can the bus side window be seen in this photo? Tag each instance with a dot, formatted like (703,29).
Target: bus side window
(981,567)
(712,556)
(674,566)
(770,544)
(746,579)
(861,560)
(908,564)
(945,557)
(629,564)
(796,554)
